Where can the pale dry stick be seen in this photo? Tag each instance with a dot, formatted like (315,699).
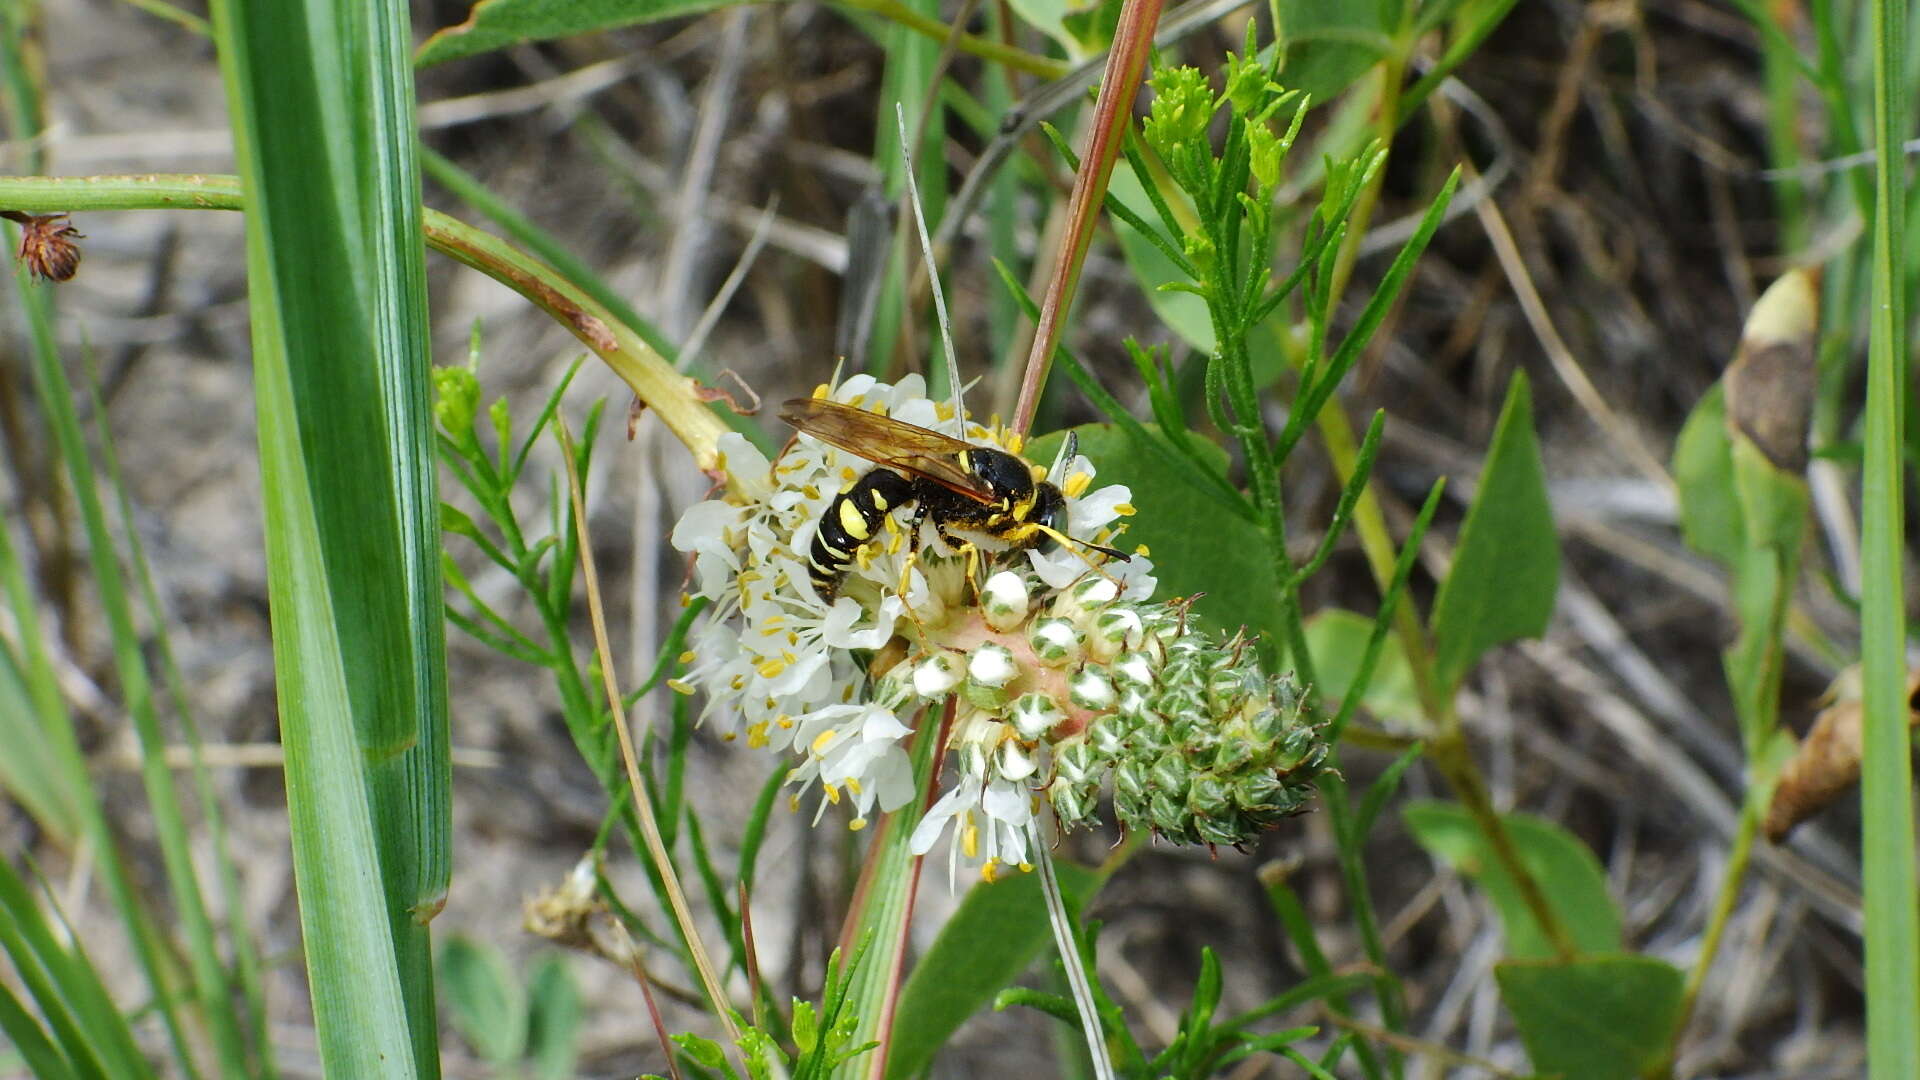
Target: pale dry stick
(824,249)
(932,272)
(636,784)
(696,339)
(1831,896)
(1455,1005)
(696,181)
(571,88)
(1558,354)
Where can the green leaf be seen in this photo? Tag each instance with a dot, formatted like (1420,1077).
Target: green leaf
(320,94)
(1507,567)
(495,24)
(997,932)
(1197,545)
(484,1000)
(553,1019)
(1330,43)
(1710,519)
(1337,639)
(1568,874)
(1184,313)
(1595,1018)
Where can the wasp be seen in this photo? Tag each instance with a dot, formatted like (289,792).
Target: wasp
(957,485)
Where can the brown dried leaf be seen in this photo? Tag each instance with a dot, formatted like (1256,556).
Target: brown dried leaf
(1828,761)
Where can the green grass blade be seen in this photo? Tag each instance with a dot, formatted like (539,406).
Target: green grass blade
(1886,807)
(321,99)
(210,976)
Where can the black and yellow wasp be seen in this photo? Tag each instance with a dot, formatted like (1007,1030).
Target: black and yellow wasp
(956,484)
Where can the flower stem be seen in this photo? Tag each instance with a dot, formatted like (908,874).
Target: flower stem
(681,402)
(1079,979)
(1113,114)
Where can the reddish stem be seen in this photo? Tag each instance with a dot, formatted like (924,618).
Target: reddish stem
(1112,113)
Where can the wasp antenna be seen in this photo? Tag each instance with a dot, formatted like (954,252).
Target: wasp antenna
(907,147)
(1069,447)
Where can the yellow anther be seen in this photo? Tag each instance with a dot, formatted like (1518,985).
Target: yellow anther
(853,784)
(820,744)
(822,390)
(687,657)
(680,686)
(970,838)
(1124,509)
(757,735)
(989,870)
(833,793)
(771,669)
(1077,485)
(1141,549)
(856,824)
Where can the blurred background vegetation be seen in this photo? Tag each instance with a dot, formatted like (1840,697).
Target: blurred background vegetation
(1636,175)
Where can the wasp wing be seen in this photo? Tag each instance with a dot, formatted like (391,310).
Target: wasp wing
(893,443)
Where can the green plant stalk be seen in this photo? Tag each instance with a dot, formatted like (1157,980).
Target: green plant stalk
(1887,829)
(985,48)
(883,909)
(679,400)
(1448,745)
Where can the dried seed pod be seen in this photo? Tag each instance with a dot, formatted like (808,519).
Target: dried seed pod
(47,244)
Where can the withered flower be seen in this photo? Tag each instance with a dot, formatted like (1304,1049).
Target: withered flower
(46,244)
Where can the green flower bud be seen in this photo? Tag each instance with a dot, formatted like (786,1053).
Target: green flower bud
(1056,641)
(1091,689)
(989,670)
(936,676)
(1034,715)
(1004,601)
(456,401)
(1114,630)
(1015,762)
(1183,105)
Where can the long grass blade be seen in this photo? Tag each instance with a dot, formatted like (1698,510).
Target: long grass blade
(1886,810)
(321,98)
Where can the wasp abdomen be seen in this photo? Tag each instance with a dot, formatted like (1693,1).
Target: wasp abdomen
(852,519)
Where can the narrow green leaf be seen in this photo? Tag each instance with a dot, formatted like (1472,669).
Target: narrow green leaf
(496,24)
(30,770)
(1571,878)
(1507,567)
(36,1051)
(1595,1018)
(1886,780)
(997,932)
(66,987)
